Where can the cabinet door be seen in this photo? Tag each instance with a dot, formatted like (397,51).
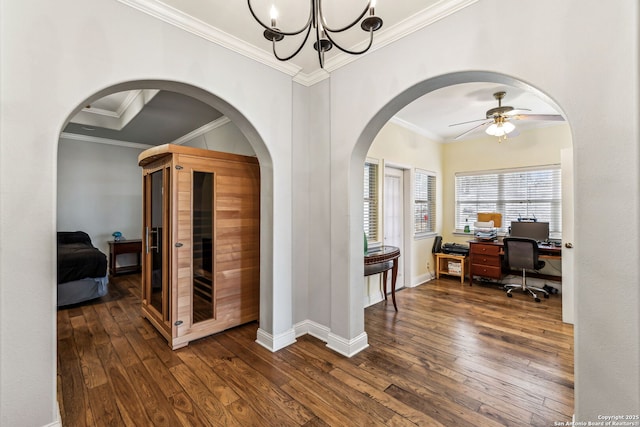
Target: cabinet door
(156,255)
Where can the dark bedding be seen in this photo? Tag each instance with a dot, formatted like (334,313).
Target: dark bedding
(78,258)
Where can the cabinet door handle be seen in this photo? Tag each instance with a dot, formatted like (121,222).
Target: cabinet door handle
(157,245)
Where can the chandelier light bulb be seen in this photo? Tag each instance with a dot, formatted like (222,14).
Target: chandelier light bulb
(274,15)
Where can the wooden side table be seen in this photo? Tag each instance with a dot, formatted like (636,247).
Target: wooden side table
(381,260)
(133,246)
(442,265)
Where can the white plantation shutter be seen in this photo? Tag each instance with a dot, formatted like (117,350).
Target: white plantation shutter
(424,204)
(515,193)
(371,200)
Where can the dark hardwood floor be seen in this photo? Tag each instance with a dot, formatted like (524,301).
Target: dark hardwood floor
(453,355)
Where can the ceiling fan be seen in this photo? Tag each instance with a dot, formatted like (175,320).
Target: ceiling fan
(498,119)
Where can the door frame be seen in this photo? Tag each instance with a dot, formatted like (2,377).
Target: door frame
(407,184)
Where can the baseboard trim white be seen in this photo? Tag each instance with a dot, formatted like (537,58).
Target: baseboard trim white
(275,343)
(348,348)
(312,328)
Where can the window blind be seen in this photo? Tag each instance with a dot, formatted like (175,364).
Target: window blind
(424,204)
(515,193)
(371,200)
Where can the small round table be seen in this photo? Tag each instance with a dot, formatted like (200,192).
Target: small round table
(381,260)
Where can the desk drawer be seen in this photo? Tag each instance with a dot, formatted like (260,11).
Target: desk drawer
(487,260)
(479,249)
(486,271)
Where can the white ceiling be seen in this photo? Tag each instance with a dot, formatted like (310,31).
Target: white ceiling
(231,24)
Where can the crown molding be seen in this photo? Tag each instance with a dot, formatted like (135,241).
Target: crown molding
(194,26)
(180,141)
(402,29)
(85,138)
(202,130)
(415,129)
(131,96)
(116,120)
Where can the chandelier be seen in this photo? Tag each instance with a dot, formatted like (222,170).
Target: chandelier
(323,32)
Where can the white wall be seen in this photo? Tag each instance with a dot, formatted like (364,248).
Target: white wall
(99,191)
(55,58)
(584,56)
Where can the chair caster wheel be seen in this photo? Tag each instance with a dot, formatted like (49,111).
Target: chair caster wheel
(510,296)
(537,299)
(546,295)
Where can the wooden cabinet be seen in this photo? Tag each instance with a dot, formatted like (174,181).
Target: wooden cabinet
(485,260)
(121,247)
(444,262)
(201,245)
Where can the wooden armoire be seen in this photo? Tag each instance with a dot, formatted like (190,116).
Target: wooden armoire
(201,241)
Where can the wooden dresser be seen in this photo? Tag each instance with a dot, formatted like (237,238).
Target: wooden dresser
(485,260)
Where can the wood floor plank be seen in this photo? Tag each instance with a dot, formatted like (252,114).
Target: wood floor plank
(155,403)
(214,410)
(92,370)
(453,355)
(72,390)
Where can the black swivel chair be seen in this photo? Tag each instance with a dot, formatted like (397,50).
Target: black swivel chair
(522,254)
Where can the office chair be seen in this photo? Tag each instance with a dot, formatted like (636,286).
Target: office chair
(522,253)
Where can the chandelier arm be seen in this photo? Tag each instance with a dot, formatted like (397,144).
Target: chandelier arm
(278,31)
(351,52)
(320,51)
(297,50)
(339,30)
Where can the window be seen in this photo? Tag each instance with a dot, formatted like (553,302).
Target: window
(371,200)
(515,193)
(424,204)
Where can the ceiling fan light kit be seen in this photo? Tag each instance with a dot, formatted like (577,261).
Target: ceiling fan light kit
(323,32)
(498,119)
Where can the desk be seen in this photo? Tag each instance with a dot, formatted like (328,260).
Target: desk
(486,258)
(381,260)
(133,246)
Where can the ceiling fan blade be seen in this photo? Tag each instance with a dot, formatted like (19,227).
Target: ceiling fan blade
(516,111)
(465,123)
(474,128)
(547,117)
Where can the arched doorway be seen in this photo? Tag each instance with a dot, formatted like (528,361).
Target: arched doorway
(364,141)
(251,138)
(409,142)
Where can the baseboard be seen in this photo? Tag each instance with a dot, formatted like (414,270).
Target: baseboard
(275,343)
(423,278)
(58,421)
(346,347)
(312,328)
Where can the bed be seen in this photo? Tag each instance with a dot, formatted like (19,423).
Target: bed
(82,269)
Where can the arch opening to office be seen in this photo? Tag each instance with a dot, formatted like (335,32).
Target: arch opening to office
(417,251)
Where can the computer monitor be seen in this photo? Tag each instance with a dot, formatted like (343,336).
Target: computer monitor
(534,230)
